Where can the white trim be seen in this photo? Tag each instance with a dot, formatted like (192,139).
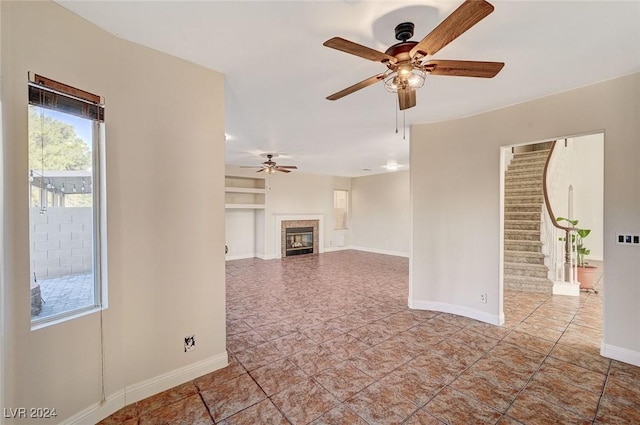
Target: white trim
(144,389)
(621,354)
(459,310)
(380,251)
(277,237)
(566,288)
(240,256)
(336,248)
(98,411)
(136,392)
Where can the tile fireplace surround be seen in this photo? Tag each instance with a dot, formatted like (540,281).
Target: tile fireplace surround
(286,224)
(282,221)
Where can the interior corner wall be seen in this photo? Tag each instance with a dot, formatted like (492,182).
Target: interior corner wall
(2,245)
(164,126)
(380,213)
(455,176)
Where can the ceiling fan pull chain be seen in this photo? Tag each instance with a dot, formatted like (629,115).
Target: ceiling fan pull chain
(404,125)
(396,108)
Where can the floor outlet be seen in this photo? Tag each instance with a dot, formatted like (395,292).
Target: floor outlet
(189,343)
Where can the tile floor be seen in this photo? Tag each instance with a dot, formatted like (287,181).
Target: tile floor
(328,339)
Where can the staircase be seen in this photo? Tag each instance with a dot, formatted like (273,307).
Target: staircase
(524,268)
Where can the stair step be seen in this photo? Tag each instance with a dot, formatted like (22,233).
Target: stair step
(527,257)
(524,177)
(523,199)
(523,184)
(523,191)
(531,154)
(525,269)
(528,284)
(524,167)
(522,225)
(519,215)
(520,245)
(522,235)
(523,208)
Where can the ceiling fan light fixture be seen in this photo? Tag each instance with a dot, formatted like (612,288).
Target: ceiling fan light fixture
(413,79)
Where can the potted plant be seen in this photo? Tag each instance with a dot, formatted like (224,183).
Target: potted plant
(587,274)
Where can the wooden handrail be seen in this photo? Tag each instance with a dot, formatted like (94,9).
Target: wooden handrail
(546,193)
(567,230)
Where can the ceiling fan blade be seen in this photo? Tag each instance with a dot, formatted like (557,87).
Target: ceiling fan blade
(464,17)
(356,87)
(347,46)
(260,170)
(282,170)
(290,167)
(464,68)
(249,166)
(406,98)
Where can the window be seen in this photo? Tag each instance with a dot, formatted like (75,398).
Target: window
(340,209)
(65,127)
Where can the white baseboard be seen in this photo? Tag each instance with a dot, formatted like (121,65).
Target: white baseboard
(336,248)
(98,411)
(136,392)
(566,288)
(239,256)
(459,310)
(142,390)
(621,354)
(379,251)
(326,249)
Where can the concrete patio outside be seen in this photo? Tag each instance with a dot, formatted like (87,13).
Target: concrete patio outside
(65,293)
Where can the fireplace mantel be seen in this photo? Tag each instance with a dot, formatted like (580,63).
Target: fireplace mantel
(279,218)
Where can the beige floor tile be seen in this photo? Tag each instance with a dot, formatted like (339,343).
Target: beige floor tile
(330,339)
(304,402)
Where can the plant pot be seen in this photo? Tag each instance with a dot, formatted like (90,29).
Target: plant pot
(588,276)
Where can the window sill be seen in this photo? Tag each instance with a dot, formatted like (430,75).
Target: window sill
(63,317)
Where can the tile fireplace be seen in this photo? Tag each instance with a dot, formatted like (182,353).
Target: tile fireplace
(299,241)
(299,237)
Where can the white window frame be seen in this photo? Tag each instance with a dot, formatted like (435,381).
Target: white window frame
(345,225)
(99,224)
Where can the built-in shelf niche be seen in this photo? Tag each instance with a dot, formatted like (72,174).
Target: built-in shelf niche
(244,192)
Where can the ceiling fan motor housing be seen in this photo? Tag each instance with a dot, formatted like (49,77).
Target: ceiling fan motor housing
(404,31)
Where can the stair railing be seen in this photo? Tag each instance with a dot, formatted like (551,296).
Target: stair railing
(568,269)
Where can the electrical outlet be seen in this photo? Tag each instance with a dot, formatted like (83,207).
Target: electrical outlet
(189,343)
(483,298)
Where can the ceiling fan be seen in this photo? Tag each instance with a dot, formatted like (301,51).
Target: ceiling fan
(406,70)
(271,167)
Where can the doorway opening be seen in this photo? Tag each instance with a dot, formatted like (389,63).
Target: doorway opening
(575,192)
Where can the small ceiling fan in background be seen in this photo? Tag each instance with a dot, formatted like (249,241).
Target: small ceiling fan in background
(406,70)
(270,167)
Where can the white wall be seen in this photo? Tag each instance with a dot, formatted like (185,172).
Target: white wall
(240,233)
(456,209)
(588,190)
(583,169)
(164,126)
(380,213)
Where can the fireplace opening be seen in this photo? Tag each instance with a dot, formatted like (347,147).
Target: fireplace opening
(299,240)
